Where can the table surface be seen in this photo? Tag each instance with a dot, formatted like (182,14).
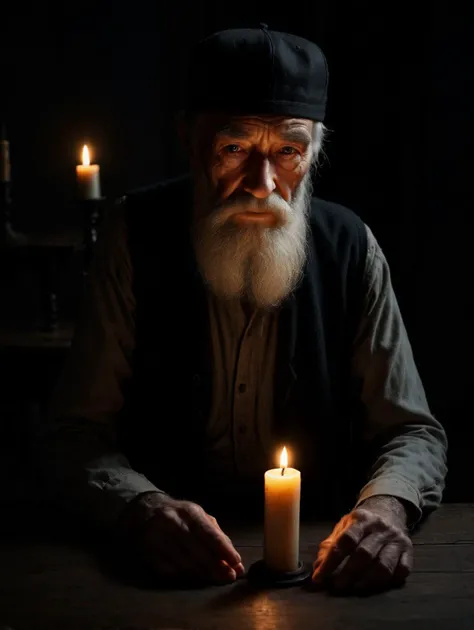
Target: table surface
(53,584)
(32,339)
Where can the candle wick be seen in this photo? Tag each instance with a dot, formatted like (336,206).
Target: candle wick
(282,472)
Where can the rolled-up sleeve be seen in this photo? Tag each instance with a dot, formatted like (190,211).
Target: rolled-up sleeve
(408,444)
(83,470)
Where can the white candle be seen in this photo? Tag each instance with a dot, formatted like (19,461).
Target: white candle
(88,177)
(282,516)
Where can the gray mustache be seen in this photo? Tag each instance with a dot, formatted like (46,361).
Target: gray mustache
(273,203)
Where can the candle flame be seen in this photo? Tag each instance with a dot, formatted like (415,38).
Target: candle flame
(86,160)
(284,458)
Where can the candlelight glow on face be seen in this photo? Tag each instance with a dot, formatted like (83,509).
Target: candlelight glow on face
(86,160)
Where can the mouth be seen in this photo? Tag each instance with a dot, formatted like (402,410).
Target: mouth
(259,218)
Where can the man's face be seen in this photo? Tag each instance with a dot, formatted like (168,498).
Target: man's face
(252,190)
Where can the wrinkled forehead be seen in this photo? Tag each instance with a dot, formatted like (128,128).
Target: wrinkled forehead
(244,127)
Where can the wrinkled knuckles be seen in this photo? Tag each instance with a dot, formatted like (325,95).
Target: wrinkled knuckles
(365,555)
(189,510)
(362,514)
(405,541)
(346,540)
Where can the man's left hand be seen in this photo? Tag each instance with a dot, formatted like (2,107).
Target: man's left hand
(368,550)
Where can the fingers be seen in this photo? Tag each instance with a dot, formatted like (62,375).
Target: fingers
(390,568)
(367,552)
(194,559)
(238,568)
(163,548)
(173,551)
(359,561)
(211,536)
(338,551)
(182,540)
(404,568)
(213,520)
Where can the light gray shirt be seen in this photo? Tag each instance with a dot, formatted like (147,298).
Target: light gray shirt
(87,472)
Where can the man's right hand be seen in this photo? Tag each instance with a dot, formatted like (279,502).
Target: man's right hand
(180,541)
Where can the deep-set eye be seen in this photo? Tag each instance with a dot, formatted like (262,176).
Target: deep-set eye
(288,151)
(232,149)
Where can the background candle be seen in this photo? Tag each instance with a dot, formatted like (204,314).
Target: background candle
(4,155)
(88,177)
(282,516)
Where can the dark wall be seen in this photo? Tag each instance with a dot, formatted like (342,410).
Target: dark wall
(400,152)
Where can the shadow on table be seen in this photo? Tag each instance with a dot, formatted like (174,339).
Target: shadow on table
(123,567)
(33,522)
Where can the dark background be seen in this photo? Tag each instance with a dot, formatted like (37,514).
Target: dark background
(400,153)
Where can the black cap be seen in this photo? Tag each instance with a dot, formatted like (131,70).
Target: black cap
(258,71)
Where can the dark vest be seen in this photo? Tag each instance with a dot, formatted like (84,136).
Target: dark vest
(317,409)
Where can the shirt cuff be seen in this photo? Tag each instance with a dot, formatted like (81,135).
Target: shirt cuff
(114,493)
(394,487)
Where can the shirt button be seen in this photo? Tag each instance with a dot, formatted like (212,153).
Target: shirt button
(242,387)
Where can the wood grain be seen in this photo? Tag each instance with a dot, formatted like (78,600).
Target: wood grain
(52,586)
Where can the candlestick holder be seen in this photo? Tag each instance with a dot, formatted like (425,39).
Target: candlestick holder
(9,237)
(261,575)
(91,211)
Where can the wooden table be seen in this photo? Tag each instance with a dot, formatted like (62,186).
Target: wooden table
(48,585)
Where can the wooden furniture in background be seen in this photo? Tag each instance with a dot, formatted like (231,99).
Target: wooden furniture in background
(41,284)
(60,338)
(38,259)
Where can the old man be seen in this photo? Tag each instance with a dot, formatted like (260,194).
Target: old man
(229,312)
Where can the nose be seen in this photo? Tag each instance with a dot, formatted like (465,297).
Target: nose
(259,180)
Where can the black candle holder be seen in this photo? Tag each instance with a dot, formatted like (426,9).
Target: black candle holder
(263,576)
(9,236)
(91,211)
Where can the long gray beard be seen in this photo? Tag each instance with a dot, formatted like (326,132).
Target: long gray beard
(262,265)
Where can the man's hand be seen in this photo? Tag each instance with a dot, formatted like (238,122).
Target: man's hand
(180,541)
(368,550)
